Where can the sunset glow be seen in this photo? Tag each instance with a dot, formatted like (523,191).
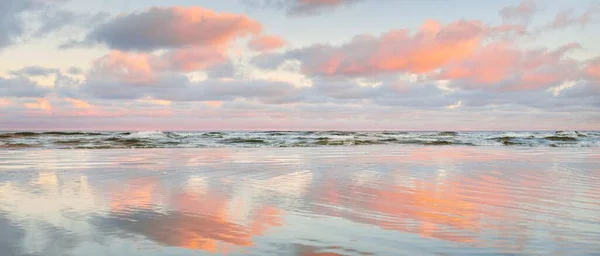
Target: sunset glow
(299,65)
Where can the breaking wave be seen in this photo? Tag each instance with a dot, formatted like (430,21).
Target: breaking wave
(160,139)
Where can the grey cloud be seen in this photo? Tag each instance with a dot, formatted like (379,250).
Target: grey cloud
(110,89)
(389,93)
(224,70)
(482,98)
(566,18)
(520,13)
(23,20)
(299,7)
(11,23)
(317,7)
(269,60)
(179,88)
(75,71)
(310,55)
(424,95)
(53,19)
(153,29)
(66,86)
(264,91)
(21,87)
(583,95)
(133,32)
(249,89)
(34,71)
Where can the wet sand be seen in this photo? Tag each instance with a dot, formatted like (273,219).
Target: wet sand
(375,200)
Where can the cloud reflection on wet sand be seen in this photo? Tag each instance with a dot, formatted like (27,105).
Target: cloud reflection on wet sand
(373,200)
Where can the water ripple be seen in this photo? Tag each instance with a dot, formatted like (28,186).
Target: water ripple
(372,200)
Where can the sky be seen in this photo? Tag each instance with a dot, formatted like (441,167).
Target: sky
(299,65)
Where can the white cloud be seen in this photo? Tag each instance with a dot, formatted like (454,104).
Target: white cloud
(558,89)
(455,106)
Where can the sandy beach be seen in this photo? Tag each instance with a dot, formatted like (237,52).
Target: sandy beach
(373,200)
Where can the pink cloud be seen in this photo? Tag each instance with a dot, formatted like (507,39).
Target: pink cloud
(191,59)
(40,104)
(508,29)
(195,38)
(592,70)
(202,25)
(501,62)
(142,68)
(174,27)
(134,68)
(161,102)
(214,104)
(78,103)
(491,64)
(434,45)
(5,103)
(266,43)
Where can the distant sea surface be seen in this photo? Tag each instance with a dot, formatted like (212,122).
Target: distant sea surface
(158,139)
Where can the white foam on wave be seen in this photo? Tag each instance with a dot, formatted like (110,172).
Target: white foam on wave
(295,139)
(146,135)
(185,134)
(523,135)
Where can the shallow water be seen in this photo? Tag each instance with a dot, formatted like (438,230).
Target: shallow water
(372,200)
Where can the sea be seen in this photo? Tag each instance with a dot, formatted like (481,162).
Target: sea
(278,139)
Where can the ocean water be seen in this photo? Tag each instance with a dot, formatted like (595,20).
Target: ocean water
(367,200)
(158,139)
